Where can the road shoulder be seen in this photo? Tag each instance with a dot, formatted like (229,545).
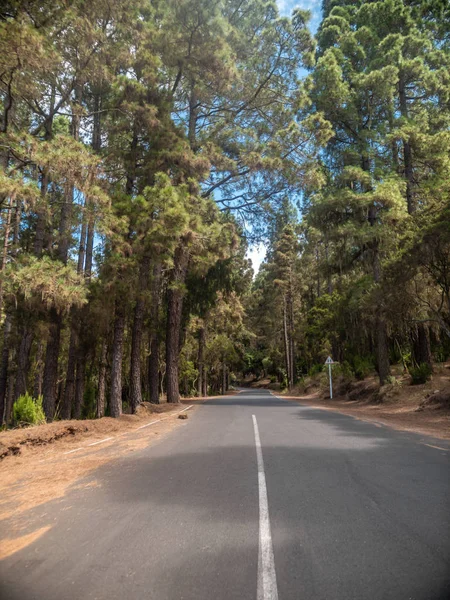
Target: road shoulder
(399,416)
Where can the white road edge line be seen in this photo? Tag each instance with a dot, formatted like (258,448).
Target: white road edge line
(147,425)
(267,580)
(101,441)
(70,451)
(124,433)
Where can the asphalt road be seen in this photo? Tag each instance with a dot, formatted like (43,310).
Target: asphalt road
(326,508)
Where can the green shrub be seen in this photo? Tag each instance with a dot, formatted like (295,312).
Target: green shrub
(315,369)
(362,367)
(273,379)
(344,368)
(392,380)
(420,374)
(29,411)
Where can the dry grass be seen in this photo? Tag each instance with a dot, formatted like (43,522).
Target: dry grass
(43,470)
(419,408)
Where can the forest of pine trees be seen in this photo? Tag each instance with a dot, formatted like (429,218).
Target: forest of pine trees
(146,144)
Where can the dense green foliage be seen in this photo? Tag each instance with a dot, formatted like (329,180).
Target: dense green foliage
(145,144)
(370,265)
(28,411)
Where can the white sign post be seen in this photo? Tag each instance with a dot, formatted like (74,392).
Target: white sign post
(330,362)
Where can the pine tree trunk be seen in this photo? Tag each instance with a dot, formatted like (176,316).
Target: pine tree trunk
(421,346)
(89,247)
(37,388)
(153,360)
(286,344)
(224,379)
(329,281)
(9,400)
(407,151)
(382,349)
(205,383)
(116,364)
(23,363)
(79,386)
(175,295)
(136,339)
(51,365)
(4,366)
(193,117)
(290,307)
(96,143)
(41,215)
(82,244)
(201,353)
(6,232)
(69,389)
(102,382)
(153,369)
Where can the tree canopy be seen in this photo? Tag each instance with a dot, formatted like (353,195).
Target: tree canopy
(145,145)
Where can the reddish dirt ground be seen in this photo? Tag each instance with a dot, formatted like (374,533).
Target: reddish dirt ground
(402,406)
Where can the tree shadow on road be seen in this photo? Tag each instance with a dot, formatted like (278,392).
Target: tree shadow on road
(344,517)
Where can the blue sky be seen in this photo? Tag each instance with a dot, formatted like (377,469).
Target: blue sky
(286,7)
(315,6)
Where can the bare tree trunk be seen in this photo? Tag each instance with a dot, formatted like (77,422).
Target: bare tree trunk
(69,389)
(407,151)
(286,344)
(329,281)
(136,339)
(4,367)
(224,379)
(37,388)
(382,349)
(319,291)
(6,232)
(82,244)
(153,369)
(421,346)
(205,383)
(116,366)
(9,401)
(153,361)
(102,382)
(193,117)
(201,353)
(290,309)
(51,365)
(41,210)
(23,362)
(89,247)
(79,386)
(174,314)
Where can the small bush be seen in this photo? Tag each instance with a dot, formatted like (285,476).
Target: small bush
(420,374)
(392,380)
(315,369)
(362,367)
(344,369)
(273,379)
(28,411)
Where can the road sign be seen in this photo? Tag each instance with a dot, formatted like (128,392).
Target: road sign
(330,362)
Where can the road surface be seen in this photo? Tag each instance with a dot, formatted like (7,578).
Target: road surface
(254,498)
